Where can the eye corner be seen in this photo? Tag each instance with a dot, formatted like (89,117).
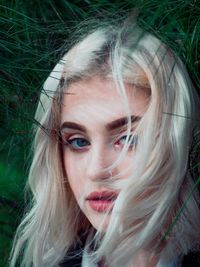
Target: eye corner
(132,140)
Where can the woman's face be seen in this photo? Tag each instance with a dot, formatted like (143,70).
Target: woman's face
(93,126)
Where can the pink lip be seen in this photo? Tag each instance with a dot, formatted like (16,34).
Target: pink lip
(102,201)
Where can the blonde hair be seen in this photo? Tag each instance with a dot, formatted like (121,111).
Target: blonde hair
(161,182)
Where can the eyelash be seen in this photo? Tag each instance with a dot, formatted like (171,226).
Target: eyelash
(132,137)
(74,147)
(70,143)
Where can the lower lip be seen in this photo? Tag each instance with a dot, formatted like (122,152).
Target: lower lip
(101,205)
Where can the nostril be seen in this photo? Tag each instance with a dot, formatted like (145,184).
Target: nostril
(100,161)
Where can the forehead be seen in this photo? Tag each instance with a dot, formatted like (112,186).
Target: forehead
(91,89)
(99,95)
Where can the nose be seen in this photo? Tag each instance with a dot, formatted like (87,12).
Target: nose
(101,158)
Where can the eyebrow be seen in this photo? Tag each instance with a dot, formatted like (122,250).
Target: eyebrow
(73,125)
(113,125)
(121,122)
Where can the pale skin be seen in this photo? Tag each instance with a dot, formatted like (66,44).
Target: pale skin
(90,127)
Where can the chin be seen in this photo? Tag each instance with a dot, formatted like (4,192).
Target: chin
(98,221)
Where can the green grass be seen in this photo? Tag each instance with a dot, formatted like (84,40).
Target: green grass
(34,35)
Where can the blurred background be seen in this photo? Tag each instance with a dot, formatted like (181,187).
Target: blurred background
(34,35)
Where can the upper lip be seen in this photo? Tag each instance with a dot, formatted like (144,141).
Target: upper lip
(102,195)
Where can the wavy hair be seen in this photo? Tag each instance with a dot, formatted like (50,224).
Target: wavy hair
(157,208)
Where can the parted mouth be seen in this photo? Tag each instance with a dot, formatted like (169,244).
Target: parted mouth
(102,195)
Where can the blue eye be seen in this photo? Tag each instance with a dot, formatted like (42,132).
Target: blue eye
(78,143)
(122,140)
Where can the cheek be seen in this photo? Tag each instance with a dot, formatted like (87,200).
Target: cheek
(127,167)
(75,173)
(75,161)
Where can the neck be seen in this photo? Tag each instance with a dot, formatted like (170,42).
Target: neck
(145,259)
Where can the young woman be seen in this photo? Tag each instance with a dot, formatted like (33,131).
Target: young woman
(111,177)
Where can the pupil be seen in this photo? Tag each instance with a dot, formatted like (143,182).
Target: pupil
(81,142)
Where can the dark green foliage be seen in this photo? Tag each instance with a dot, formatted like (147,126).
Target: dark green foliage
(33,36)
